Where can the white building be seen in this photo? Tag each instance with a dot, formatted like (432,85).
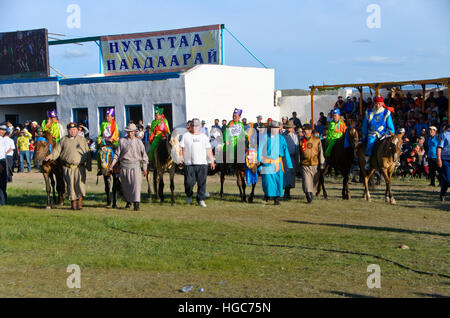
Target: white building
(205,91)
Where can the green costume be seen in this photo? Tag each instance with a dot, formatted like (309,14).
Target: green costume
(335,131)
(234,134)
(159,128)
(109,132)
(54,129)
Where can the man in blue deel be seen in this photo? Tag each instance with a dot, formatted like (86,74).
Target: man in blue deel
(377,123)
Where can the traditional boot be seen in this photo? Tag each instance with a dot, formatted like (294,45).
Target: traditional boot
(311,196)
(136,206)
(80,204)
(276,201)
(74,204)
(128,205)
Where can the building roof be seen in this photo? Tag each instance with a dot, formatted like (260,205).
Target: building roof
(95,79)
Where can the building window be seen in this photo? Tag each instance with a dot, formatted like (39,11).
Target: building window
(13,119)
(134,113)
(80,116)
(102,113)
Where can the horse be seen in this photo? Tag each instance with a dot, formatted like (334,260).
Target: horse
(384,159)
(240,169)
(341,159)
(50,169)
(106,158)
(167,150)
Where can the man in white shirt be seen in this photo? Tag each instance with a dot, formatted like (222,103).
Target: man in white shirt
(195,149)
(3,166)
(10,147)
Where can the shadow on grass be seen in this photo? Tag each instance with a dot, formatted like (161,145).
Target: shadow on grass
(432,295)
(373,228)
(344,294)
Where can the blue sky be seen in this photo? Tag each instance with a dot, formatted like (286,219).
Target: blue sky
(305,41)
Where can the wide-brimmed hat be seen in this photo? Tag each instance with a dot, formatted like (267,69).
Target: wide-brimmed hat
(290,124)
(274,124)
(3,127)
(131,127)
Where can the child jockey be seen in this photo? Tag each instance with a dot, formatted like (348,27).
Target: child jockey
(336,129)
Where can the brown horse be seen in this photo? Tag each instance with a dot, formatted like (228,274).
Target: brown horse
(341,159)
(106,158)
(384,159)
(50,169)
(163,162)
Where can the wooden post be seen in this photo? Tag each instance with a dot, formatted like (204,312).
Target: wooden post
(360,100)
(423,98)
(312,107)
(377,90)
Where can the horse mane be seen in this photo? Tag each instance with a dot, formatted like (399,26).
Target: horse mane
(390,146)
(50,138)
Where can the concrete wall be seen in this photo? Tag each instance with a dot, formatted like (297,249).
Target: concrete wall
(213,91)
(119,94)
(31,89)
(206,92)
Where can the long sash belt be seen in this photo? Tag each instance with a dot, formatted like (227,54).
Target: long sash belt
(277,162)
(130,165)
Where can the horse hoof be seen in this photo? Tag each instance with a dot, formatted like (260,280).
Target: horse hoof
(48,208)
(114,206)
(250,200)
(393,202)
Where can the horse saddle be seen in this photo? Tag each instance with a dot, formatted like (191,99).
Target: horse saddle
(377,145)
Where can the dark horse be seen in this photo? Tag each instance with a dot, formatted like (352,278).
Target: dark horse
(164,152)
(106,158)
(384,159)
(51,169)
(239,169)
(341,159)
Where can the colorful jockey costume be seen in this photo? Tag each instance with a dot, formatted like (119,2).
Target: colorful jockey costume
(53,126)
(233,136)
(159,128)
(335,131)
(109,132)
(271,150)
(105,157)
(377,123)
(251,156)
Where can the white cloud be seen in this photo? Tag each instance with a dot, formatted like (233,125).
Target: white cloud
(376,59)
(74,53)
(362,41)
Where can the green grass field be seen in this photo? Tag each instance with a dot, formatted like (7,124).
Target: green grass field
(229,249)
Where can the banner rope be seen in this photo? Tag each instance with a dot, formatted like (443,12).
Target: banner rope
(242,44)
